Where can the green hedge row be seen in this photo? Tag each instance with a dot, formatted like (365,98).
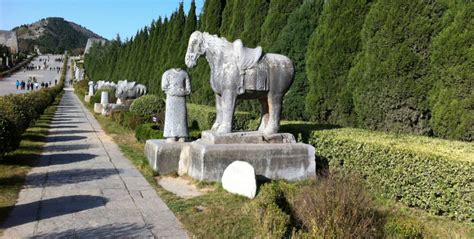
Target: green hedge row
(18,112)
(203,117)
(432,174)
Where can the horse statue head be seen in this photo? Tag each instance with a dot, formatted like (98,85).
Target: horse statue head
(195,49)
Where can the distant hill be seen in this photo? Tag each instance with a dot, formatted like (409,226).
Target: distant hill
(53,35)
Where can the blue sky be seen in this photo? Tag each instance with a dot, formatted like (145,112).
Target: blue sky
(104,17)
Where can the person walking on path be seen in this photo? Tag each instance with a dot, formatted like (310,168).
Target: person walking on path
(17,84)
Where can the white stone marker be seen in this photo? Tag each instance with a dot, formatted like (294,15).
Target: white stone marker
(239,178)
(91,88)
(104,98)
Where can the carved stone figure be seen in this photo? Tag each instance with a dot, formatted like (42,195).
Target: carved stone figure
(128,90)
(238,72)
(104,85)
(176,84)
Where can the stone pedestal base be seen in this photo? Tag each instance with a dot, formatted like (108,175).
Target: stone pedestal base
(163,156)
(274,156)
(206,162)
(98,108)
(87,98)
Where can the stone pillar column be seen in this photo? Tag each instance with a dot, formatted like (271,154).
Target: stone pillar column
(104,98)
(91,89)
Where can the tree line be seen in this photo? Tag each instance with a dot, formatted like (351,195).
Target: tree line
(391,65)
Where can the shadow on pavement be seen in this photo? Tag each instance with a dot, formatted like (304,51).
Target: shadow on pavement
(52,138)
(118,230)
(57,159)
(65,148)
(29,212)
(70,176)
(71,132)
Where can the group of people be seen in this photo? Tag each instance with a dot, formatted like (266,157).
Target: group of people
(33,84)
(44,65)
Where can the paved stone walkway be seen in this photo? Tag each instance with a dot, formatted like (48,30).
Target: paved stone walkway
(85,188)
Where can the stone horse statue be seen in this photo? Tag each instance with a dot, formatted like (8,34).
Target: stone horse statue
(128,90)
(238,72)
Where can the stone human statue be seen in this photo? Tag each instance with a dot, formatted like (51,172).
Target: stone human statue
(176,85)
(238,72)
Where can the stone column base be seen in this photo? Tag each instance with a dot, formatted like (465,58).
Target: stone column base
(98,108)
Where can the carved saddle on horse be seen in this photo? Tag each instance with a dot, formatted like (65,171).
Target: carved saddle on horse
(253,76)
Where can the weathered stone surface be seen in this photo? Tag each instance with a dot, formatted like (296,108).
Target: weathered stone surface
(87,98)
(98,108)
(251,137)
(163,156)
(128,90)
(206,162)
(104,98)
(177,85)
(91,88)
(239,178)
(242,73)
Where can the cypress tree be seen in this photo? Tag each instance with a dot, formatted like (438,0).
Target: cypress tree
(212,16)
(452,61)
(276,19)
(255,12)
(227,18)
(331,50)
(392,76)
(189,28)
(174,47)
(237,23)
(292,42)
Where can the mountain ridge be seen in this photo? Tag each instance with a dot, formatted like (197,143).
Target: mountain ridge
(53,35)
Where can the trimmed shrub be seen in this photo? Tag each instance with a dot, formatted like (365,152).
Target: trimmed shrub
(149,106)
(145,132)
(127,119)
(203,117)
(18,109)
(9,138)
(432,174)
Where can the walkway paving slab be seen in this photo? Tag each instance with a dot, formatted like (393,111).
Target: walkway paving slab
(83,187)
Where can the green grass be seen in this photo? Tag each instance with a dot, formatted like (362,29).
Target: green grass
(15,165)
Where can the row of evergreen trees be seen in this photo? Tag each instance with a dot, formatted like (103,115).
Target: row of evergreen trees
(397,65)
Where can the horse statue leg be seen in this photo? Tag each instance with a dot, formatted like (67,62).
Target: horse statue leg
(264,115)
(218,121)
(228,102)
(274,105)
